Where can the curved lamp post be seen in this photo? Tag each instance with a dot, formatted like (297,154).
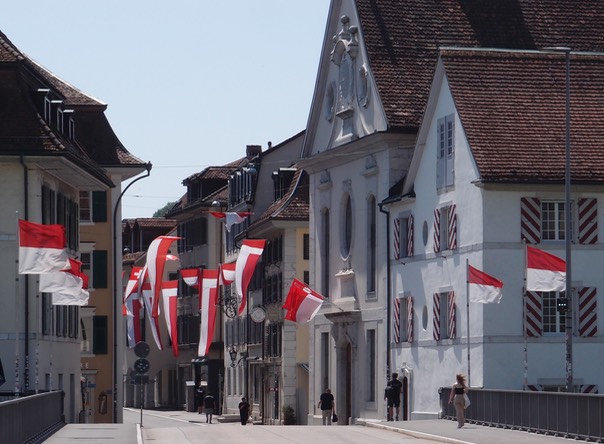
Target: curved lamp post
(114,314)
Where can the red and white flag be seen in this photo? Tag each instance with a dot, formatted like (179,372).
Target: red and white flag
(190,276)
(232,218)
(207,308)
(134,283)
(42,248)
(227,274)
(133,308)
(250,253)
(544,271)
(68,287)
(169,290)
(156,261)
(302,303)
(483,288)
(153,320)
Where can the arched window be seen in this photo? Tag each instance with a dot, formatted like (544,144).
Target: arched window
(371,244)
(325,239)
(346,226)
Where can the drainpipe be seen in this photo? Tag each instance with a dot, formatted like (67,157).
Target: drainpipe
(26,277)
(388,290)
(115,312)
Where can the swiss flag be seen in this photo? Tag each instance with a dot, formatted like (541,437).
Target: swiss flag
(302,303)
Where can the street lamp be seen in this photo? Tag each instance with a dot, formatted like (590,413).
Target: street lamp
(568,336)
(148,167)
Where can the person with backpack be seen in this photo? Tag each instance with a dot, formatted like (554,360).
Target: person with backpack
(392,395)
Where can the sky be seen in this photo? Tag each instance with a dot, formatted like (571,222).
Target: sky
(188,83)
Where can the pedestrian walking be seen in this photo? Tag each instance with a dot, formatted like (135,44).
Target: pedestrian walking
(209,405)
(327,405)
(244,410)
(392,396)
(458,390)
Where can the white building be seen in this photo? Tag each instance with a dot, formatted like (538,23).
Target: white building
(503,140)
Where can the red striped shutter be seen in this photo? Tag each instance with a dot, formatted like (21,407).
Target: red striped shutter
(533,313)
(409,319)
(397,238)
(436,230)
(396,314)
(452,225)
(588,221)
(410,236)
(436,316)
(451,324)
(588,388)
(530,220)
(588,309)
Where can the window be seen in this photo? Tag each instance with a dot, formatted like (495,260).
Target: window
(404,316)
(371,247)
(99,335)
(445,152)
(552,221)
(347,226)
(325,252)
(306,247)
(371,350)
(99,206)
(324,360)
(445,228)
(85,207)
(99,269)
(553,320)
(444,312)
(47,313)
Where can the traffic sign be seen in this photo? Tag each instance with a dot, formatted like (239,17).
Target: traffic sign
(141,349)
(141,365)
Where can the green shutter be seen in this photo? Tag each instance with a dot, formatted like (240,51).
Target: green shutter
(99,335)
(99,269)
(99,206)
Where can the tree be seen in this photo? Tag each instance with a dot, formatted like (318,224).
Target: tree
(164,210)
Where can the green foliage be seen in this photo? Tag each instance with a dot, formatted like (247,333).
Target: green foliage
(289,417)
(164,210)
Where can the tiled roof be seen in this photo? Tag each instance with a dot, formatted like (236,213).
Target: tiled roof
(156,222)
(293,206)
(402,39)
(512,109)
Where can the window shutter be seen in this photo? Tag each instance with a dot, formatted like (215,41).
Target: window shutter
(397,238)
(450,150)
(452,231)
(533,313)
(410,236)
(451,324)
(436,230)
(588,309)
(589,388)
(530,220)
(409,319)
(441,155)
(436,316)
(396,320)
(588,221)
(99,269)
(99,206)
(99,335)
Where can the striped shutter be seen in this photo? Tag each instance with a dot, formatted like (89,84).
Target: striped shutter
(396,314)
(588,309)
(436,316)
(588,221)
(436,230)
(410,236)
(451,315)
(530,220)
(534,313)
(397,238)
(535,387)
(452,225)
(588,388)
(409,319)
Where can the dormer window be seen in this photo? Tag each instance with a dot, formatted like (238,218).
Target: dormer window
(47,110)
(71,133)
(281,181)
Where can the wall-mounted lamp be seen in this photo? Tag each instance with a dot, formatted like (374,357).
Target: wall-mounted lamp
(233,355)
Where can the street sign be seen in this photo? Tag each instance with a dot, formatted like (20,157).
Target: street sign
(137,379)
(141,365)
(141,349)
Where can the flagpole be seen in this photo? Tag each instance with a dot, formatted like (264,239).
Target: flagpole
(17,299)
(468,314)
(524,314)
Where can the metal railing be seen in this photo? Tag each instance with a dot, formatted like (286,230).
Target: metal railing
(31,419)
(568,415)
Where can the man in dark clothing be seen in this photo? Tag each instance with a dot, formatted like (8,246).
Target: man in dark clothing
(209,406)
(244,410)
(327,406)
(393,396)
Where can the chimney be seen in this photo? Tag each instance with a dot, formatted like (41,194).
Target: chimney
(252,151)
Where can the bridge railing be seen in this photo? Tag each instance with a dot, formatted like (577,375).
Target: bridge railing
(31,419)
(569,415)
